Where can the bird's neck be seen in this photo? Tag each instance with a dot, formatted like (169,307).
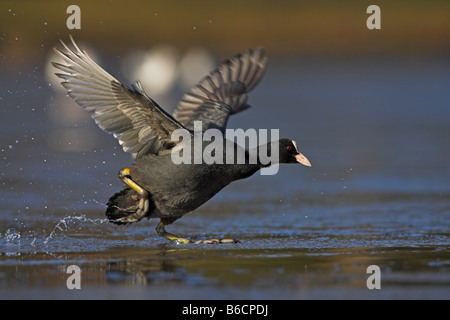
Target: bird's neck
(264,155)
(255,159)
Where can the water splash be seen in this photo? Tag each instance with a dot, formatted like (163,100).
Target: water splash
(64,225)
(37,236)
(11,235)
(12,240)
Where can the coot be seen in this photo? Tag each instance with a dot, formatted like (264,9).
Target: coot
(156,186)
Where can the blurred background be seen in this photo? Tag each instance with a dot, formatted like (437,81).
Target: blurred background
(369,108)
(287,28)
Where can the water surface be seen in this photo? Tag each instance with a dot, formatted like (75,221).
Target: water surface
(376,132)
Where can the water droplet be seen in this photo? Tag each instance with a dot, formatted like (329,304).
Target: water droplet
(11,234)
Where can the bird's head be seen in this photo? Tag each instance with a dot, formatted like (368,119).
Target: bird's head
(289,153)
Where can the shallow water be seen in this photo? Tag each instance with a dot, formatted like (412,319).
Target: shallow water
(376,132)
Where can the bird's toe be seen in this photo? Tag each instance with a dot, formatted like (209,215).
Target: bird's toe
(216,241)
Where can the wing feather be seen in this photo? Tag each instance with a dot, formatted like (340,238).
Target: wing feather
(223,92)
(139,124)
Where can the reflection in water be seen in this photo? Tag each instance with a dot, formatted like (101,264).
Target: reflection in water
(157,269)
(217,272)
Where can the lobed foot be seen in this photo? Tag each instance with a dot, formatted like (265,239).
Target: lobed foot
(163,233)
(160,230)
(143,204)
(216,240)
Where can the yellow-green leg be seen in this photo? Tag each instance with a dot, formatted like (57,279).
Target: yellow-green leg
(163,233)
(142,210)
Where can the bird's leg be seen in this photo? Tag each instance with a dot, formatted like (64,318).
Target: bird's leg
(143,205)
(163,233)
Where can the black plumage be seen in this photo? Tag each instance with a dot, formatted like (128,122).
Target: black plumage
(156,187)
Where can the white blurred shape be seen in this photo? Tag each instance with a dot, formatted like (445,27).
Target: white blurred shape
(156,69)
(195,65)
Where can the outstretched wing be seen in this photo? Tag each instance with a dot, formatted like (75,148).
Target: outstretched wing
(140,125)
(223,92)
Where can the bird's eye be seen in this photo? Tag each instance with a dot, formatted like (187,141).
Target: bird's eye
(288,148)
